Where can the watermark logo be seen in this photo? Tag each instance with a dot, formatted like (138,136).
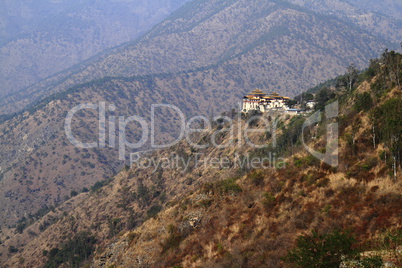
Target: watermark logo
(197,124)
(186,163)
(237,132)
(332,136)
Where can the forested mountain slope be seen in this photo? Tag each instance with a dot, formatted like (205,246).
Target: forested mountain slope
(222,215)
(369,15)
(41,38)
(271,44)
(388,7)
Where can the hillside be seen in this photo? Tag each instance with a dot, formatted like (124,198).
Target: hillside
(223,213)
(368,15)
(286,45)
(40,166)
(41,38)
(389,7)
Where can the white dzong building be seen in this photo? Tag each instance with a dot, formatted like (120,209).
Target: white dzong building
(260,101)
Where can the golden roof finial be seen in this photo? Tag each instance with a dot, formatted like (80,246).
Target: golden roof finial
(257,91)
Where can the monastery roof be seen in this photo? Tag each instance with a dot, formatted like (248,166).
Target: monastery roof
(275,94)
(257,92)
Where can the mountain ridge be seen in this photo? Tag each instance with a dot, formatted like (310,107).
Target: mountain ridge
(76,32)
(212,216)
(135,58)
(199,92)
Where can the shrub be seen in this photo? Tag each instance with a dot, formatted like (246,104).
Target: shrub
(323,182)
(269,200)
(115,226)
(322,250)
(12,249)
(257,178)
(131,222)
(73,193)
(228,186)
(21,227)
(173,240)
(372,262)
(73,252)
(298,162)
(153,211)
(206,203)
(322,97)
(364,102)
(131,237)
(99,184)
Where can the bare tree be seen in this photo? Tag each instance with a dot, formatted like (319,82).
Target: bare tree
(352,72)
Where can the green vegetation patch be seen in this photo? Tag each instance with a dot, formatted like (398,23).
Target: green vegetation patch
(73,252)
(228,186)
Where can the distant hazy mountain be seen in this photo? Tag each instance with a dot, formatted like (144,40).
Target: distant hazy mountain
(388,7)
(270,44)
(41,38)
(372,16)
(19,17)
